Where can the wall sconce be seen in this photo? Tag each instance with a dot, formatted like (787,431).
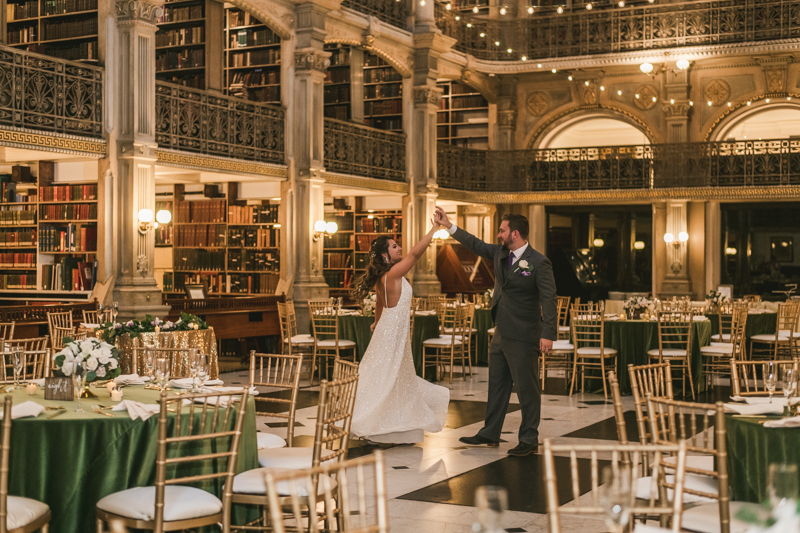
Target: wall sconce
(324,229)
(163,217)
(669,238)
(638,245)
(647,68)
(598,243)
(730,250)
(145,218)
(442,234)
(682,64)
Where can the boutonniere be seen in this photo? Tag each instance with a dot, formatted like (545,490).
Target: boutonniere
(525,267)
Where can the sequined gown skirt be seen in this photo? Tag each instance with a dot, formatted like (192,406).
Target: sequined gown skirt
(393,404)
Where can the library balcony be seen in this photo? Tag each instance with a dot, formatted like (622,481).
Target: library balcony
(364,151)
(39,92)
(764,163)
(546,33)
(390,11)
(198,121)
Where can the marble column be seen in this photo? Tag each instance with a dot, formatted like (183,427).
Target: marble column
(675,280)
(676,105)
(537,218)
(132,157)
(507,114)
(713,245)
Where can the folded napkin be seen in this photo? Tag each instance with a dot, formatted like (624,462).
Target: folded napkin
(187,383)
(223,400)
(759,400)
(791,422)
(89,326)
(39,382)
(349,312)
(699,318)
(27,409)
(430,312)
(253,391)
(773,408)
(138,409)
(131,379)
(612,317)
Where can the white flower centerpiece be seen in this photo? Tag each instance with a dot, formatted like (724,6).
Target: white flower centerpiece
(715,299)
(368,305)
(98,359)
(636,305)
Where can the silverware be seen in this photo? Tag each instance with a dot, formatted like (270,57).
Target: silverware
(57,413)
(53,408)
(97,409)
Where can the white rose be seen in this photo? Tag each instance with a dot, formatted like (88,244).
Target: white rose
(66,368)
(87,346)
(91,364)
(101,372)
(103,358)
(523,263)
(112,364)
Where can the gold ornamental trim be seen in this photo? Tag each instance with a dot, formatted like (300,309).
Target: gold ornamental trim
(52,142)
(728,112)
(175,158)
(346,180)
(617,196)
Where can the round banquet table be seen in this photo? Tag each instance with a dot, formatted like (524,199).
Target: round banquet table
(757,324)
(483,322)
(73,460)
(356,329)
(751,449)
(203,339)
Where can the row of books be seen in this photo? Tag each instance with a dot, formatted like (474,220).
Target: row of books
(263,283)
(252,214)
(264,94)
(58,7)
(386,124)
(17,281)
(75,52)
(253,261)
(15,215)
(381,225)
(163,234)
(69,274)
(10,194)
(269,56)
(68,212)
(241,18)
(251,37)
(254,237)
(68,193)
(69,238)
(344,222)
(340,57)
(181,14)
(196,259)
(466,102)
(181,36)
(175,59)
(24,237)
(258,76)
(195,81)
(338,279)
(364,242)
(339,240)
(337,260)
(27,34)
(72,28)
(382,75)
(337,76)
(200,211)
(384,107)
(460,88)
(337,95)
(200,235)
(339,112)
(383,91)
(17,260)
(25,10)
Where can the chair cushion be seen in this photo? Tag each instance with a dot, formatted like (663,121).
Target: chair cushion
(180,503)
(692,481)
(717,348)
(268,440)
(595,350)
(289,458)
(23,511)
(705,518)
(562,345)
(442,340)
(331,343)
(724,336)
(450,330)
(301,339)
(563,329)
(699,462)
(670,352)
(490,331)
(254,482)
(767,337)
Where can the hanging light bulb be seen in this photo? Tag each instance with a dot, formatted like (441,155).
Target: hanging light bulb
(509,50)
(602,88)
(671,100)
(469,24)
(422,2)
(449,6)
(589,6)
(748,102)
(497,43)
(691,103)
(502,10)
(709,103)
(682,64)
(647,68)
(524,58)
(458,18)
(560,10)
(621,3)
(483,34)
(530,10)
(654,98)
(767,100)
(569,78)
(539,65)
(619,93)
(554,71)
(475,9)
(637,96)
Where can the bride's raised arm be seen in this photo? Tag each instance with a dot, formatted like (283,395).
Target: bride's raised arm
(407,263)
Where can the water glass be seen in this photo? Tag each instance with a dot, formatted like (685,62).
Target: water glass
(789,387)
(193,363)
(616,497)
(17,359)
(770,381)
(100,316)
(78,384)
(114,311)
(492,502)
(149,362)
(162,372)
(202,370)
(782,486)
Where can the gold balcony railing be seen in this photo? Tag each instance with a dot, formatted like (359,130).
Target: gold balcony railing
(43,93)
(393,12)
(581,32)
(199,121)
(709,164)
(364,151)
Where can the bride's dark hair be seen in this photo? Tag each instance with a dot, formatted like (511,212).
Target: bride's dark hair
(377,266)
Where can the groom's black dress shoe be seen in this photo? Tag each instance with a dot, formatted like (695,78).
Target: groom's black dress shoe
(477,439)
(522,449)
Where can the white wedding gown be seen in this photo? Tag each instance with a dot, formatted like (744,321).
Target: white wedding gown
(393,404)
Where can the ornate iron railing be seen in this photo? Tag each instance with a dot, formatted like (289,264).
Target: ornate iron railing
(393,12)
(364,151)
(201,122)
(582,32)
(709,164)
(43,93)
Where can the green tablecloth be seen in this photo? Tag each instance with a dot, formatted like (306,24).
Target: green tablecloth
(751,449)
(72,461)
(356,329)
(756,324)
(483,323)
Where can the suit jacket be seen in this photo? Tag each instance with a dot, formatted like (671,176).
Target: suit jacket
(524,305)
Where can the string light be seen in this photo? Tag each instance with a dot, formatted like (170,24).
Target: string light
(729,104)
(586,83)
(621,3)
(671,100)
(509,50)
(767,100)
(637,96)
(569,77)
(709,103)
(502,11)
(458,18)
(422,2)
(560,10)
(589,6)
(539,65)
(524,58)
(654,98)
(602,88)
(483,34)
(475,9)
(497,43)
(619,93)
(554,71)
(749,102)
(530,10)
(448,7)
(691,103)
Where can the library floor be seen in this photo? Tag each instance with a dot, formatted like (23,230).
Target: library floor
(431,484)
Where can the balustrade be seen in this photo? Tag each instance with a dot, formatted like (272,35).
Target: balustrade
(393,12)
(364,151)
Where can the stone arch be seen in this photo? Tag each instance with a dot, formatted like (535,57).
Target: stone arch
(563,120)
(369,45)
(485,91)
(282,26)
(732,118)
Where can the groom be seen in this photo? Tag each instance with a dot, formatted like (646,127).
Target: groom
(525,315)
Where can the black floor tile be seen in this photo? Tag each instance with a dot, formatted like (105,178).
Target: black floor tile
(304,399)
(284,424)
(523,478)
(463,413)
(596,402)
(515,530)
(607,429)
(556,386)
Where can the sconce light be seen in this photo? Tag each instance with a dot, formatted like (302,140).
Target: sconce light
(669,238)
(730,250)
(324,229)
(647,68)
(145,218)
(638,245)
(442,234)
(163,217)
(598,243)
(682,64)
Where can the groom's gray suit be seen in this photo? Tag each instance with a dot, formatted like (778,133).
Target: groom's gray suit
(524,309)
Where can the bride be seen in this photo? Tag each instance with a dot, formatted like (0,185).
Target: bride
(393,404)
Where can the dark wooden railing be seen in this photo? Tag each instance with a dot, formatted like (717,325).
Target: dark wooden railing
(363,151)
(393,12)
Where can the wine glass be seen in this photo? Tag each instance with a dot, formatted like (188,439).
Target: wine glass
(78,384)
(782,486)
(616,496)
(202,370)
(17,359)
(114,310)
(100,315)
(789,387)
(492,502)
(162,372)
(770,381)
(193,363)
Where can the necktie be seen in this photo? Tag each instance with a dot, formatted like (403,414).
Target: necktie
(510,260)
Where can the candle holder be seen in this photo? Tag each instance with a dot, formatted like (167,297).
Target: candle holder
(86,393)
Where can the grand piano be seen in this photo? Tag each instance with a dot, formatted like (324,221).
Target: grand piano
(461,271)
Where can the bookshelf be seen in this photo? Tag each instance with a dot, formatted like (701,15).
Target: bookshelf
(370,224)
(338,83)
(181,44)
(383,94)
(463,116)
(230,247)
(252,58)
(66,29)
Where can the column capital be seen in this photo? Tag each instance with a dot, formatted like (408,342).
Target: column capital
(507,118)
(146,11)
(311,59)
(424,95)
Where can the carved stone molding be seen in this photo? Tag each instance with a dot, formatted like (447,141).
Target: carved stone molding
(507,118)
(427,95)
(678,110)
(312,60)
(588,91)
(139,11)
(538,103)
(717,92)
(647,97)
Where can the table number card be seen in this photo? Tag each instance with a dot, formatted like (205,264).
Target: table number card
(58,389)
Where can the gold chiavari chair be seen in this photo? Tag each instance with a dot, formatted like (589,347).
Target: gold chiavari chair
(291,341)
(563,312)
(7,330)
(747,377)
(560,357)
(588,337)
(96,317)
(62,320)
(359,487)
(656,502)
(433,302)
(281,372)
(211,421)
(327,344)
(675,344)
(782,343)
(653,380)
(469,332)
(179,360)
(718,356)
(61,333)
(444,349)
(17,514)
(35,365)
(724,322)
(344,369)
(34,344)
